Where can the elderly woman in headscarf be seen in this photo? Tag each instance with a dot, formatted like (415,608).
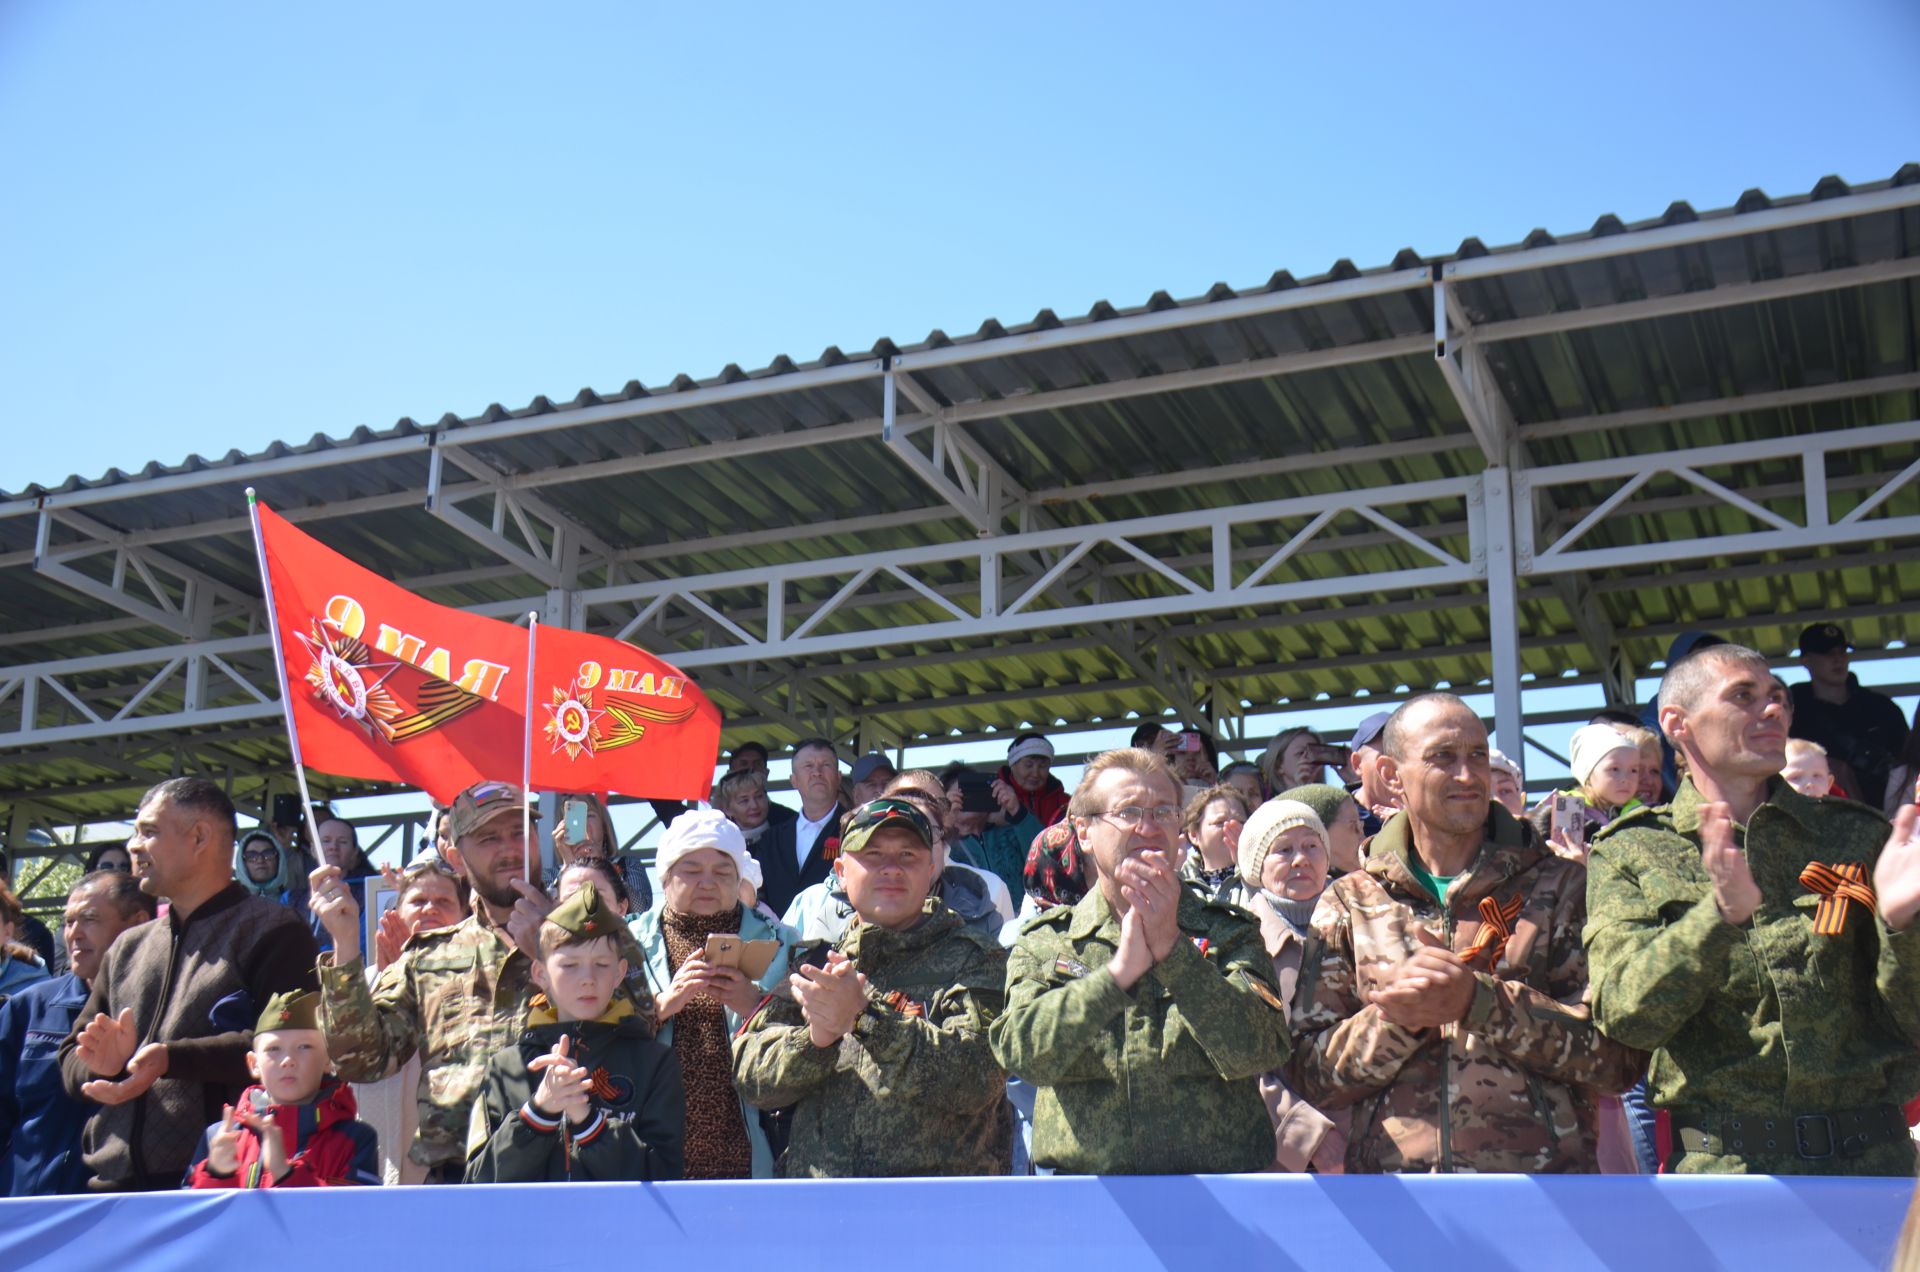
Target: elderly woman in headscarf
(700,1003)
(1339,814)
(1283,867)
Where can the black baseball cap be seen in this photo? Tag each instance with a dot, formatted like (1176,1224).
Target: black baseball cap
(1823,638)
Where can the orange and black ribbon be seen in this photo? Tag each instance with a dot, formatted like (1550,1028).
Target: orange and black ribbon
(1496,925)
(1836,885)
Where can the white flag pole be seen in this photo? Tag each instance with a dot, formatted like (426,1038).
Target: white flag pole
(526,760)
(280,670)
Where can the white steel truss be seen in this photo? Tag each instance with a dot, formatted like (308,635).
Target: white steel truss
(1549,549)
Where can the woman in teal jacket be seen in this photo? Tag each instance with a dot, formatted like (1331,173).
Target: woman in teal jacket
(700,1001)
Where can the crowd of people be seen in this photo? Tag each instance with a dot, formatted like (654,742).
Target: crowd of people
(1701,955)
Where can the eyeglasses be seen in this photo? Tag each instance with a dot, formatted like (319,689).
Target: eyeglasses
(266,854)
(1132,815)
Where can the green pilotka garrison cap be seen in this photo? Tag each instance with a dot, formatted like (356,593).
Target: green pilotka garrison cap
(584,917)
(290,1011)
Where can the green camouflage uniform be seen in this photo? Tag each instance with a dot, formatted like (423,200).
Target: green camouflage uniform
(456,995)
(1757,1025)
(1513,1085)
(914,1088)
(1162,1079)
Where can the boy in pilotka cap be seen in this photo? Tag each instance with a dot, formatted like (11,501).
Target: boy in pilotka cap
(296,1128)
(587,1093)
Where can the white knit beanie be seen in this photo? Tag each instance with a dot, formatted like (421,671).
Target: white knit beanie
(1593,743)
(1266,825)
(701,828)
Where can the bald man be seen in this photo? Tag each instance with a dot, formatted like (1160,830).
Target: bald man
(1448,1006)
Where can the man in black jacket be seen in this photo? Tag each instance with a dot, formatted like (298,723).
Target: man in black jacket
(1861,730)
(798,854)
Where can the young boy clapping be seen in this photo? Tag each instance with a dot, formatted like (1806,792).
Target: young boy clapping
(297,1127)
(587,1093)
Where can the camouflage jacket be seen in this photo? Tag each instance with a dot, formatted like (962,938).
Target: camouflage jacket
(1768,1017)
(456,995)
(1513,1085)
(1162,1079)
(914,1088)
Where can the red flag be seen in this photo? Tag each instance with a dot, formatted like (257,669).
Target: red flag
(610,717)
(383,684)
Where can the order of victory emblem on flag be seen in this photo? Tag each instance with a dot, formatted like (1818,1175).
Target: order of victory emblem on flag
(576,725)
(345,676)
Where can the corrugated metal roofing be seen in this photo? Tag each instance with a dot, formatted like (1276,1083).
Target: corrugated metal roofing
(1141,439)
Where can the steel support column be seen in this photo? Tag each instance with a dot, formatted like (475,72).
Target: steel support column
(1495,509)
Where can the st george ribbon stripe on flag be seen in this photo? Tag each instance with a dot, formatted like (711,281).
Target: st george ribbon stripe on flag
(380,683)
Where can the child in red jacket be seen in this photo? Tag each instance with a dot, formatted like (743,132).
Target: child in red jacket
(296,1129)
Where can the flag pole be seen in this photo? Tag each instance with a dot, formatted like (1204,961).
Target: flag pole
(280,669)
(526,760)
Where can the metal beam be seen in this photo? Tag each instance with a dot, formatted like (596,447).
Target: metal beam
(1806,211)
(1495,507)
(993,614)
(1816,527)
(1740,404)
(1689,302)
(1462,360)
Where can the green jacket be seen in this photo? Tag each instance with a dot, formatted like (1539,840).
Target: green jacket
(1162,1079)
(636,1132)
(1767,1019)
(456,995)
(914,1088)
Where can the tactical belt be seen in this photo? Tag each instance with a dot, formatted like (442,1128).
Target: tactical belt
(1812,1136)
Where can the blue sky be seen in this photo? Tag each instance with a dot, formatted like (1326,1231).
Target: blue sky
(232,223)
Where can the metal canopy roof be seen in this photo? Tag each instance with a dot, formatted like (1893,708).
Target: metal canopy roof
(1495,464)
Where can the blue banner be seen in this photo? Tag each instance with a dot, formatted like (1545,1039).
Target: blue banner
(1245,1223)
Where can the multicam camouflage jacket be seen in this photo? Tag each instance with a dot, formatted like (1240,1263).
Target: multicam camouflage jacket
(456,995)
(914,1088)
(1771,1019)
(1513,1085)
(1162,1079)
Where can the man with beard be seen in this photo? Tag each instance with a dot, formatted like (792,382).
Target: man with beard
(455,994)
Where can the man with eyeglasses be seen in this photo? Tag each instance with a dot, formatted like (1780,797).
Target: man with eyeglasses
(1144,1014)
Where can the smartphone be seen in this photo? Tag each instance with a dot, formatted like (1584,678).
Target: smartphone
(976,794)
(1332,756)
(286,810)
(1570,819)
(1189,742)
(575,812)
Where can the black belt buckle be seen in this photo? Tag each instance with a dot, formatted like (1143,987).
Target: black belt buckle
(1821,1143)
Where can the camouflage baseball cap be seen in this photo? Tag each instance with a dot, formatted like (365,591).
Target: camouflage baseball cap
(877,814)
(479,804)
(290,1011)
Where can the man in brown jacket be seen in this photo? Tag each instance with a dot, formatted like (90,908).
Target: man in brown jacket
(162,1042)
(1448,1006)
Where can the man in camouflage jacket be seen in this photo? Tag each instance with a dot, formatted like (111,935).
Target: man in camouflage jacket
(455,994)
(1457,1029)
(1761,944)
(1144,1015)
(881,1048)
